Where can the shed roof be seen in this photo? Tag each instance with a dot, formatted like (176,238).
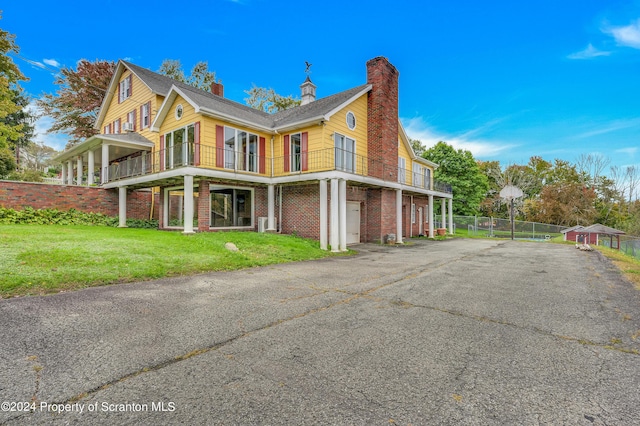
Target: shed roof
(601,229)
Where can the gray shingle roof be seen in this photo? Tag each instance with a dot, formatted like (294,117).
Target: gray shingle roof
(161,84)
(601,229)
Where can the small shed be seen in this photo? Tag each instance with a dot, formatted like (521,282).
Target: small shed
(593,234)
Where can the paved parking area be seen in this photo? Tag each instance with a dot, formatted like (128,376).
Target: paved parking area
(452,332)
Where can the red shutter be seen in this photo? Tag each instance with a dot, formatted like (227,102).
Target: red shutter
(130,85)
(161,156)
(261,155)
(120,92)
(135,122)
(110,129)
(149,112)
(287,159)
(141,117)
(220,146)
(304,150)
(196,140)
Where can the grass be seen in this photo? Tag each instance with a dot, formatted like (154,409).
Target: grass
(41,259)
(628,265)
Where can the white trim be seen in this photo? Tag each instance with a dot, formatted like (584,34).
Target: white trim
(366,89)
(253,206)
(355,121)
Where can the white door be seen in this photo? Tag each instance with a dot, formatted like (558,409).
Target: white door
(353,222)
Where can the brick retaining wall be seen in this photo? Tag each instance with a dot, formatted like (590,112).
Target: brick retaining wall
(18,195)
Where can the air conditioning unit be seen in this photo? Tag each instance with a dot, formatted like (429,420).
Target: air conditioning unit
(127,126)
(263,224)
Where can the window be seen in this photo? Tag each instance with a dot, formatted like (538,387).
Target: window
(174,199)
(131,119)
(402,166)
(125,89)
(145,115)
(231,207)
(116,126)
(107,129)
(344,153)
(418,178)
(240,150)
(296,152)
(179,147)
(427,177)
(179,112)
(351,120)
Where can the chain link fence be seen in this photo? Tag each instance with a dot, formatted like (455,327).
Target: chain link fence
(501,228)
(628,244)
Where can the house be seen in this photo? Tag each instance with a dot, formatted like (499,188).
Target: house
(593,234)
(339,169)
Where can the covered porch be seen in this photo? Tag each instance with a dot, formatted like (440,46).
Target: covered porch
(88,162)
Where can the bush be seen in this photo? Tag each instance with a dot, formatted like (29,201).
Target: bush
(26,176)
(7,162)
(71,217)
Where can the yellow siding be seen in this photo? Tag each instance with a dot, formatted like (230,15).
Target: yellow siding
(189,116)
(404,153)
(338,123)
(140,95)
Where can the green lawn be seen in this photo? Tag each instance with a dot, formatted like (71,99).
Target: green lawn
(39,259)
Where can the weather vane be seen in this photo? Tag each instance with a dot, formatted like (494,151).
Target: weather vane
(308,69)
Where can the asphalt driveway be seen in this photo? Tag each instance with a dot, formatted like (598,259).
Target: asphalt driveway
(453,332)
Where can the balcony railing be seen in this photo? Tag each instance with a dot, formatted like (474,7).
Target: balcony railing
(249,163)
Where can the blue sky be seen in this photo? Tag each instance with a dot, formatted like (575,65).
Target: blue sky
(504,79)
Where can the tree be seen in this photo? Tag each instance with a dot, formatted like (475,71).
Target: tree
(38,156)
(417,146)
(200,76)
(75,105)
(566,204)
(268,100)
(461,171)
(14,125)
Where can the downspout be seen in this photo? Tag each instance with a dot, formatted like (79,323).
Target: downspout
(280,209)
(410,214)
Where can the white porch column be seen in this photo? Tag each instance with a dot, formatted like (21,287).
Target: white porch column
(105,163)
(90,167)
(335,228)
(342,212)
(79,171)
(64,173)
(323,214)
(188,204)
(122,207)
(431,216)
(399,216)
(451,216)
(70,172)
(443,223)
(271,208)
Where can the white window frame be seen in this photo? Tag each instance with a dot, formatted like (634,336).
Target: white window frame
(116,127)
(165,206)
(170,162)
(355,121)
(295,162)
(402,170)
(249,161)
(146,115)
(345,160)
(125,89)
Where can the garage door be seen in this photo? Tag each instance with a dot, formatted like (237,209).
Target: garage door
(353,222)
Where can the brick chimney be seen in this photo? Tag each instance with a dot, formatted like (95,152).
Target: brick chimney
(382,118)
(217,89)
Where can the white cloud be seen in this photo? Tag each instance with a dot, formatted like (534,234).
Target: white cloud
(588,53)
(43,123)
(628,35)
(52,62)
(631,151)
(609,127)
(417,128)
